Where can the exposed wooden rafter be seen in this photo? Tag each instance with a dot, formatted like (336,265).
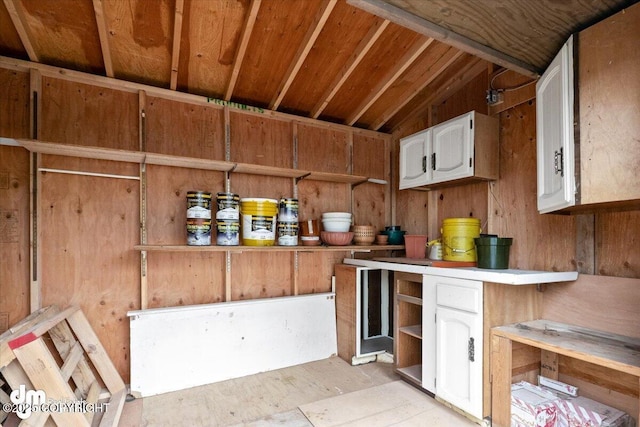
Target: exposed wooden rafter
(422,26)
(409,58)
(361,50)
(177,39)
(242,47)
(101,21)
(307,43)
(469,68)
(430,74)
(14,7)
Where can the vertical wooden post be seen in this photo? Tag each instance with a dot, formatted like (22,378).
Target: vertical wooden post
(295,274)
(549,364)
(500,381)
(35,291)
(142,144)
(586,244)
(227,185)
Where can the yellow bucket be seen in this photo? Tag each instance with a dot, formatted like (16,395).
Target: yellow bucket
(457,239)
(258,218)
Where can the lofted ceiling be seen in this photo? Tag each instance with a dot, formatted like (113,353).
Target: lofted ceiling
(364,63)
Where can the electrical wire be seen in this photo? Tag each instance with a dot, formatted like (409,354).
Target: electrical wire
(508,89)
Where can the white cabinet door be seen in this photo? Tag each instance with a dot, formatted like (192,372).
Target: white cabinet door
(428,334)
(555,134)
(452,153)
(414,151)
(459,343)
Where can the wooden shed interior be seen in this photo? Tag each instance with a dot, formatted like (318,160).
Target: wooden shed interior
(123,106)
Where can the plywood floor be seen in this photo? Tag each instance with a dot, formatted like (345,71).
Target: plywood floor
(326,393)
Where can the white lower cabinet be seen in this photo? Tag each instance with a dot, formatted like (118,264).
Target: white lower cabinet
(458,342)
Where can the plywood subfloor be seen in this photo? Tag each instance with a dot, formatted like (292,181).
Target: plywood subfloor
(328,392)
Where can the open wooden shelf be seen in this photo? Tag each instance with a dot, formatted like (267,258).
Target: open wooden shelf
(413,330)
(71,150)
(187,162)
(214,248)
(413,373)
(410,299)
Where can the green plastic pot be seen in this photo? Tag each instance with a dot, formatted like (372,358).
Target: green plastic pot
(493,252)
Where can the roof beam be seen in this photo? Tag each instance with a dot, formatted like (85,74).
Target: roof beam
(430,74)
(361,50)
(242,48)
(422,26)
(177,40)
(409,58)
(101,21)
(469,69)
(14,7)
(307,43)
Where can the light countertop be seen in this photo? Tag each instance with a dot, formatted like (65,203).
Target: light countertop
(507,277)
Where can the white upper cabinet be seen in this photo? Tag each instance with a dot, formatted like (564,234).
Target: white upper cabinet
(414,152)
(588,115)
(555,134)
(461,150)
(452,154)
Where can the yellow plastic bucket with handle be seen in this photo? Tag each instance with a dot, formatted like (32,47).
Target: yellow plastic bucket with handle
(258,217)
(457,239)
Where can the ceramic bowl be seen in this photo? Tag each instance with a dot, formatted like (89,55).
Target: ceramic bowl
(336,215)
(336,239)
(382,239)
(336,225)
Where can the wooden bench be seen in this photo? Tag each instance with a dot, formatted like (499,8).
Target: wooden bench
(620,356)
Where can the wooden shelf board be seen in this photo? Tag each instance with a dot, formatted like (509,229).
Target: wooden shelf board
(337,177)
(409,299)
(187,162)
(214,248)
(72,150)
(413,330)
(600,348)
(413,373)
(269,170)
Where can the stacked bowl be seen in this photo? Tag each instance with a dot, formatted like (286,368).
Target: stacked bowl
(335,226)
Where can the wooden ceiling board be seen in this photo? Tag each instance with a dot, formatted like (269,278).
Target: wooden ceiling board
(460,72)
(10,44)
(210,35)
(278,32)
(401,91)
(532,31)
(140,39)
(394,43)
(64,33)
(356,62)
(335,45)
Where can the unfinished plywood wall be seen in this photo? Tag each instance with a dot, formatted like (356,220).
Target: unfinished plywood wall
(90,210)
(14,199)
(540,242)
(422,211)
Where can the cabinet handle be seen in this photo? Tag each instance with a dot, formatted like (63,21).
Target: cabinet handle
(424,164)
(433,161)
(558,162)
(472,350)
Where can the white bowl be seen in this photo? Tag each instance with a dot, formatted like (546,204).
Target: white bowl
(336,226)
(336,215)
